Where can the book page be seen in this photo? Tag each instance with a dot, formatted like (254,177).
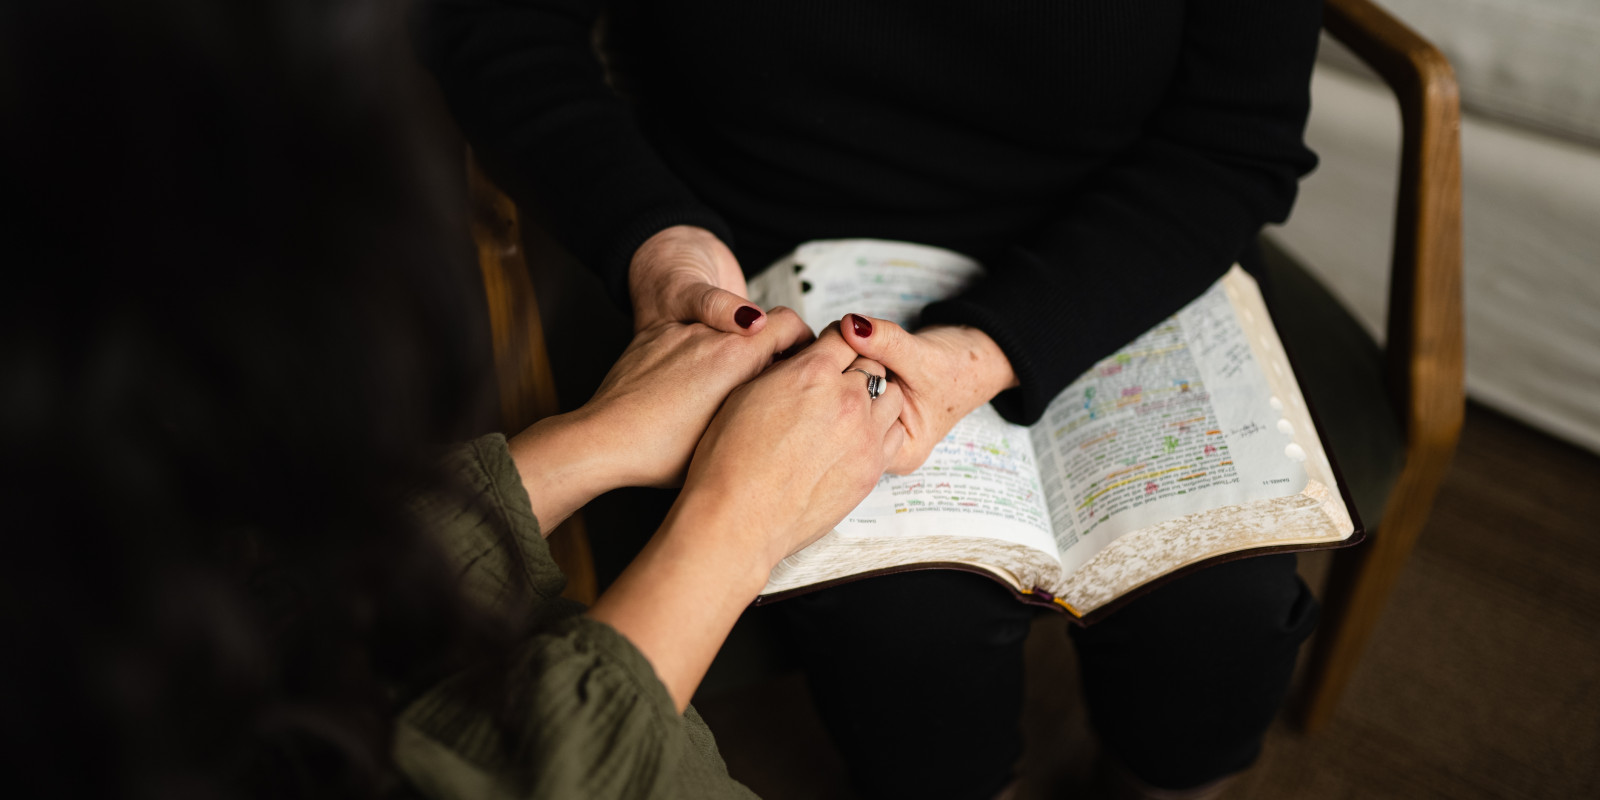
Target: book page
(1273,443)
(980,481)
(890,280)
(1178,421)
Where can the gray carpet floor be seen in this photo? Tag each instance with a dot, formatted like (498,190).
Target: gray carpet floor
(1482,680)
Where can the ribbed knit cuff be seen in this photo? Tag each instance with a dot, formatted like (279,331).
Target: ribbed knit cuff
(1021,308)
(1035,311)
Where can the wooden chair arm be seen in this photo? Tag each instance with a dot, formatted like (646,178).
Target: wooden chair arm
(522,364)
(1424,346)
(1424,350)
(527,387)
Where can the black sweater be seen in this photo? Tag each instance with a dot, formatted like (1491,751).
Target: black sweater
(1105,159)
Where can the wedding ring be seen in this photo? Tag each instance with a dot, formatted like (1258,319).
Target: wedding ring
(874,383)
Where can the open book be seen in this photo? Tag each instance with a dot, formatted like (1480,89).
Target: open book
(1191,444)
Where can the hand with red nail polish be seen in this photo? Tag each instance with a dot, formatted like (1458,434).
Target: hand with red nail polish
(794,450)
(686,274)
(644,420)
(945,372)
(787,457)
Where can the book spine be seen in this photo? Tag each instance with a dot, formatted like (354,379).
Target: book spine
(1039,596)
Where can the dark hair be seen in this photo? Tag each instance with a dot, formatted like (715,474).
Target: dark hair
(239,327)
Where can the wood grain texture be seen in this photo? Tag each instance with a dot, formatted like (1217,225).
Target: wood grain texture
(522,364)
(1424,345)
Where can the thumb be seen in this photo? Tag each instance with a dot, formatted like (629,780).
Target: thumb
(893,440)
(880,340)
(720,309)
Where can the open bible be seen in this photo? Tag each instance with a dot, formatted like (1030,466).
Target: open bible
(1191,444)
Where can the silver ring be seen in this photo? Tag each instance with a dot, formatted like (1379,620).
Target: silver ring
(875,383)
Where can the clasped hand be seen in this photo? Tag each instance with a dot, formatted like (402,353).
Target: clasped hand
(785,439)
(686,274)
(665,392)
(796,438)
(699,342)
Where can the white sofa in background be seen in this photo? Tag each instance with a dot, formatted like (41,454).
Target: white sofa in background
(1529,72)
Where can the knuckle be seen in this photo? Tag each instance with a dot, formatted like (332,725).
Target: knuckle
(712,299)
(894,346)
(815,370)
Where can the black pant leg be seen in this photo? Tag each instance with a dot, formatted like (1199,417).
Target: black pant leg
(1183,682)
(918,679)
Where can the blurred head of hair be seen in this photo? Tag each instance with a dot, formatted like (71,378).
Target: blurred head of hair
(239,326)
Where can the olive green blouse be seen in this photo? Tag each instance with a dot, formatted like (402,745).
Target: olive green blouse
(589,717)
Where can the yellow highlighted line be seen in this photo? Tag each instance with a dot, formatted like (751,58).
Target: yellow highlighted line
(1091,498)
(1097,440)
(1159,351)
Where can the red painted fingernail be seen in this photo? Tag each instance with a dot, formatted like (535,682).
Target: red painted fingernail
(746,316)
(862,325)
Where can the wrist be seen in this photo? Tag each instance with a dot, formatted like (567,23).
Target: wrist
(679,598)
(565,461)
(661,248)
(711,522)
(989,367)
(673,234)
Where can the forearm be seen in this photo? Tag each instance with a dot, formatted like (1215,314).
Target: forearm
(785,458)
(677,601)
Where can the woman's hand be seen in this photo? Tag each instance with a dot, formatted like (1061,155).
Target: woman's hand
(663,391)
(945,371)
(793,451)
(642,424)
(686,274)
(785,459)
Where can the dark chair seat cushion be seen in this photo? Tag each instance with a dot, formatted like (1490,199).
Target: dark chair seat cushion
(1340,370)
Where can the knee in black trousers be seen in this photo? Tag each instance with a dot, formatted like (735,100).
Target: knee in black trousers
(918,676)
(918,679)
(1183,682)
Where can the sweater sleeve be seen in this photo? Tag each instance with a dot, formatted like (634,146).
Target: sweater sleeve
(523,80)
(1219,158)
(583,716)
(574,710)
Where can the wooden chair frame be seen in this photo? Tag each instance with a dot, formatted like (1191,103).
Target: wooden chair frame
(1423,351)
(522,364)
